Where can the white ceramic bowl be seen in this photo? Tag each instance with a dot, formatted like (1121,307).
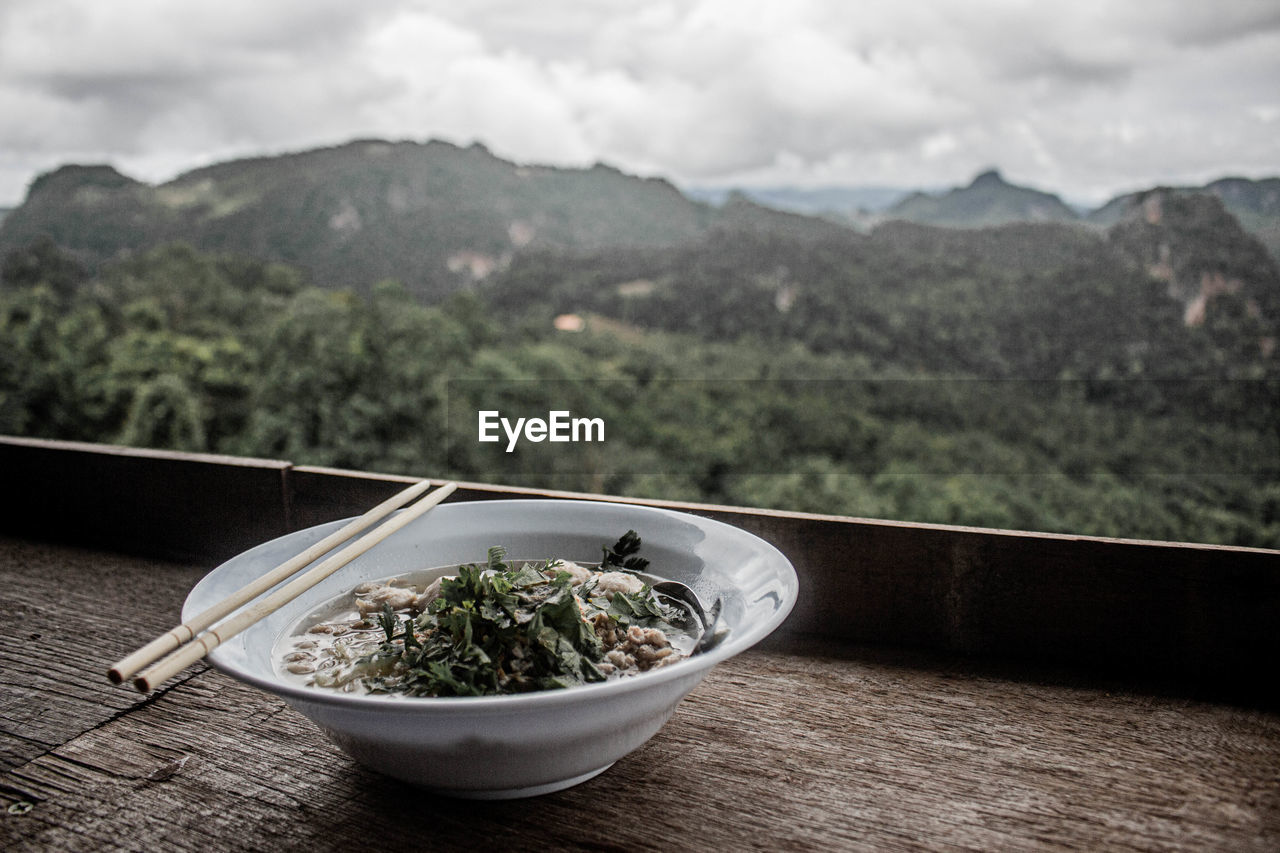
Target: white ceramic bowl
(530,743)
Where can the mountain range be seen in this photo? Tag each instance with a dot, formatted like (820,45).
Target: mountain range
(991,200)
(433,216)
(832,201)
(437,217)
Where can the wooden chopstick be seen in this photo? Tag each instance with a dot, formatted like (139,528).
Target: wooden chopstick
(188,631)
(214,637)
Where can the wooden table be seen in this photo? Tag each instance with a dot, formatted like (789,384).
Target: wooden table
(800,744)
(935,687)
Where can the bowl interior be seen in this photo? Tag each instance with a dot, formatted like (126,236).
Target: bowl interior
(756,583)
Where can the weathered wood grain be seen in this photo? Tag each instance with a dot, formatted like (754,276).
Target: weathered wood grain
(66,614)
(808,747)
(802,744)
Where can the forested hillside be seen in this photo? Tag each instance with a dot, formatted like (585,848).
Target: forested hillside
(1188,295)
(898,375)
(1254,204)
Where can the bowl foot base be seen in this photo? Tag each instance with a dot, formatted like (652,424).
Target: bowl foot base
(529,791)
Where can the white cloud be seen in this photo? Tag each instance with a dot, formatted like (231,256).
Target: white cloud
(1085,99)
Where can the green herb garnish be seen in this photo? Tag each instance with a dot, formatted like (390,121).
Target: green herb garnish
(644,609)
(621,555)
(502,627)
(495,629)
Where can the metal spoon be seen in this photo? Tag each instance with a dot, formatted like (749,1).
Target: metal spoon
(709,619)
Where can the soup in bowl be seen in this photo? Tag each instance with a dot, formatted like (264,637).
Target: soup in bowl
(564,668)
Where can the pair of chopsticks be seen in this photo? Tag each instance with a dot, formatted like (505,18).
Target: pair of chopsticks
(175,650)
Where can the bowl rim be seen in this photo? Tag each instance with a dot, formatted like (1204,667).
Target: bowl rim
(736,643)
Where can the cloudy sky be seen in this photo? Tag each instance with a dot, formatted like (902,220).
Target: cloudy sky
(1086,99)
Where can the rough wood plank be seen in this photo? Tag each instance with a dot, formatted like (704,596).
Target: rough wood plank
(68,613)
(786,747)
